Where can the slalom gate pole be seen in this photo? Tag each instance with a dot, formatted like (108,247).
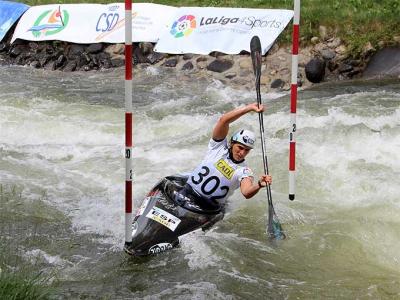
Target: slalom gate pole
(128,122)
(293,100)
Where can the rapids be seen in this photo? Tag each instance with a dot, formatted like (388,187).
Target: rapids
(62,187)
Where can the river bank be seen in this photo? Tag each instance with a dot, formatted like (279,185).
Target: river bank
(326,58)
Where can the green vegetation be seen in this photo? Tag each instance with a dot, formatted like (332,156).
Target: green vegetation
(21,286)
(18,278)
(355,21)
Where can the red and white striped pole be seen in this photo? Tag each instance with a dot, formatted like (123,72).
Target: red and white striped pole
(128,122)
(293,100)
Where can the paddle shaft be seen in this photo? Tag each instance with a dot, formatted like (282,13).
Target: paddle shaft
(261,122)
(274,228)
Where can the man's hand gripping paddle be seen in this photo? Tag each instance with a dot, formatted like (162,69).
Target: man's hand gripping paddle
(274,228)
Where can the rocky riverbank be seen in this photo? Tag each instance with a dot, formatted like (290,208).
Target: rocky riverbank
(325,59)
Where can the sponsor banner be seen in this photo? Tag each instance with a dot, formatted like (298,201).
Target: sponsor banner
(163,217)
(9,14)
(201,30)
(92,23)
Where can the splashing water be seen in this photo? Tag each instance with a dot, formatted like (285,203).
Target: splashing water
(61,152)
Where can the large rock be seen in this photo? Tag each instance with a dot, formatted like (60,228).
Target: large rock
(172,62)
(187,66)
(94,48)
(187,56)
(385,62)
(76,50)
(59,63)
(220,65)
(17,50)
(328,54)
(118,49)
(70,66)
(155,57)
(117,61)
(139,57)
(146,48)
(277,83)
(315,70)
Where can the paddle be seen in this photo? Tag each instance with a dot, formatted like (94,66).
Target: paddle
(274,228)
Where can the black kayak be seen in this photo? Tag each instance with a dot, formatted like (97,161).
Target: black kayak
(170,210)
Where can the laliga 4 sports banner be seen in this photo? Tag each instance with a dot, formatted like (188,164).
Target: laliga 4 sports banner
(228,30)
(92,23)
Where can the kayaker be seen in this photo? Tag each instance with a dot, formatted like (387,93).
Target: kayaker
(224,168)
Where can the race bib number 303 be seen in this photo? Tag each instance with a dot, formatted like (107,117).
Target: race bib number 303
(163,217)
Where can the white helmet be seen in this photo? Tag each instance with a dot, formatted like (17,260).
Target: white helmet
(244,137)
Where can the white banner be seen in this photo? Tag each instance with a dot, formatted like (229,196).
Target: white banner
(92,23)
(228,30)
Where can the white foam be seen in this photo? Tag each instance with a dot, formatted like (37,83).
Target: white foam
(197,252)
(197,290)
(38,255)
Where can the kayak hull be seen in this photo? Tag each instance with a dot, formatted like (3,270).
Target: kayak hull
(165,215)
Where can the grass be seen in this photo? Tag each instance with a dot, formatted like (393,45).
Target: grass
(18,279)
(22,286)
(356,22)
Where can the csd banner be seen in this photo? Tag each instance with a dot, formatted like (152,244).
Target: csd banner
(9,13)
(228,30)
(92,23)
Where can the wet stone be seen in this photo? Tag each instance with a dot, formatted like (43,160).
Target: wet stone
(76,49)
(59,62)
(187,56)
(146,48)
(34,46)
(155,57)
(138,56)
(201,58)
(315,70)
(35,64)
(220,66)
(117,62)
(230,75)
(94,60)
(187,66)
(49,49)
(170,62)
(70,66)
(344,68)
(277,83)
(16,51)
(327,54)
(94,48)
(44,60)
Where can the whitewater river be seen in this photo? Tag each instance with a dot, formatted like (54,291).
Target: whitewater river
(62,188)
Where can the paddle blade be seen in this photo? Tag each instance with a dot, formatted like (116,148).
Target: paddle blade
(255,52)
(274,228)
(255,44)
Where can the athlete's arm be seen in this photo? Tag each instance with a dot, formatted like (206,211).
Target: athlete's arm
(222,127)
(249,189)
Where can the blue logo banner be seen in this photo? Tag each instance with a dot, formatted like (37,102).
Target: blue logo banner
(10,12)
